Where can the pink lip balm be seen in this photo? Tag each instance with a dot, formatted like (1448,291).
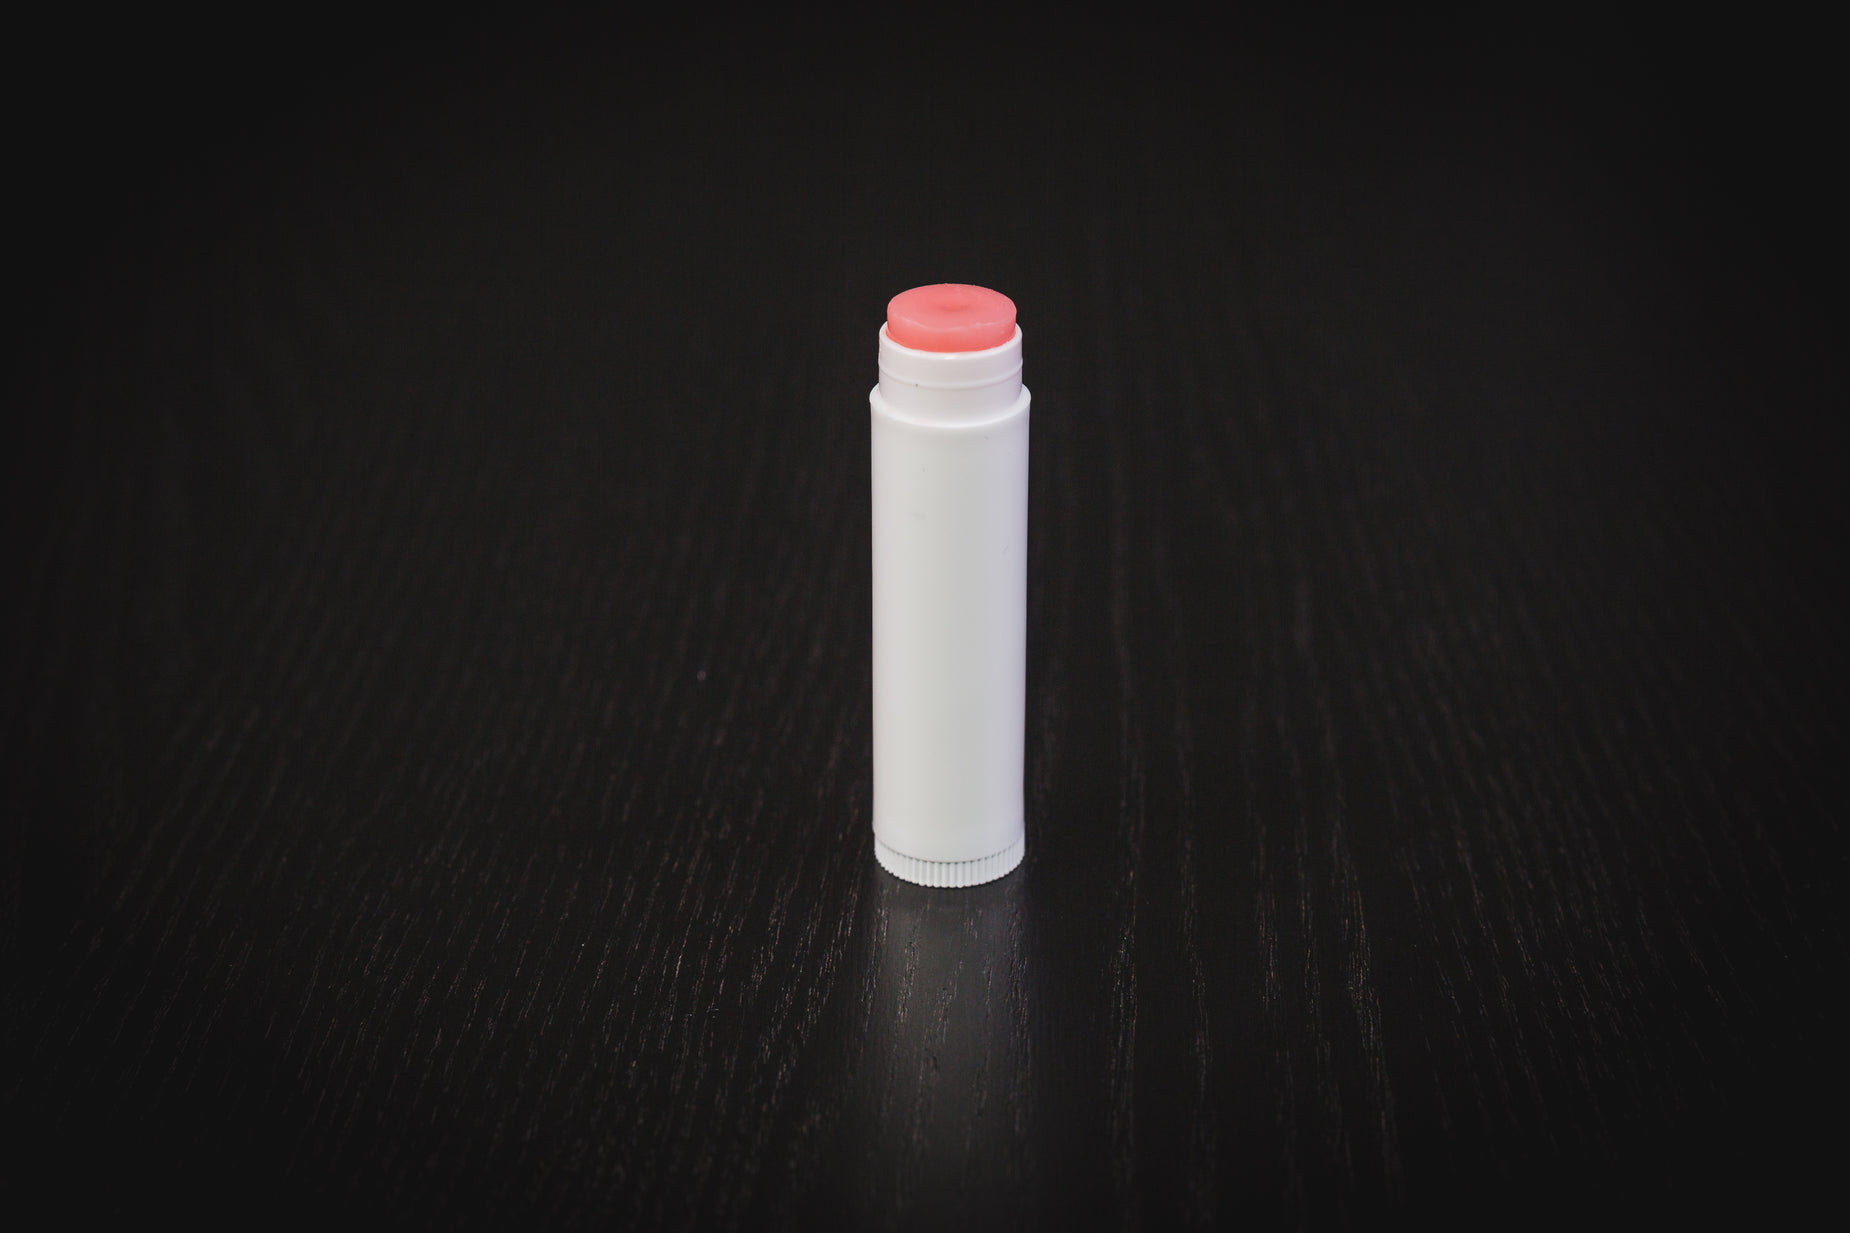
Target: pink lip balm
(950,537)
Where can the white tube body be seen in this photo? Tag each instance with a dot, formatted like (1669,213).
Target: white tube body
(950,540)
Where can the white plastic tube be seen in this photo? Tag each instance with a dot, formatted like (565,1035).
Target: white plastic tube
(950,539)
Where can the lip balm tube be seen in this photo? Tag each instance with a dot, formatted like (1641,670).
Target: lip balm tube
(950,586)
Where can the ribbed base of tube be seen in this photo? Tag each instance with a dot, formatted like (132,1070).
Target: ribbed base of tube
(949,873)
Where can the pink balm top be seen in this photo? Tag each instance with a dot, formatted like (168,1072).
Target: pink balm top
(950,317)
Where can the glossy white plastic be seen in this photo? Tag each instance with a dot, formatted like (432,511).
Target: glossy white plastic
(950,546)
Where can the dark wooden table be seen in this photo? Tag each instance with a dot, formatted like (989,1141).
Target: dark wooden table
(436,688)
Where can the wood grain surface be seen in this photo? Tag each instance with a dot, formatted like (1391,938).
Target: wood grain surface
(436,696)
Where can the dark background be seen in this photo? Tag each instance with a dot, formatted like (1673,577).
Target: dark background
(435,697)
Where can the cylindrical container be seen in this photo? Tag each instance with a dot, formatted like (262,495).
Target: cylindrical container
(950,541)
